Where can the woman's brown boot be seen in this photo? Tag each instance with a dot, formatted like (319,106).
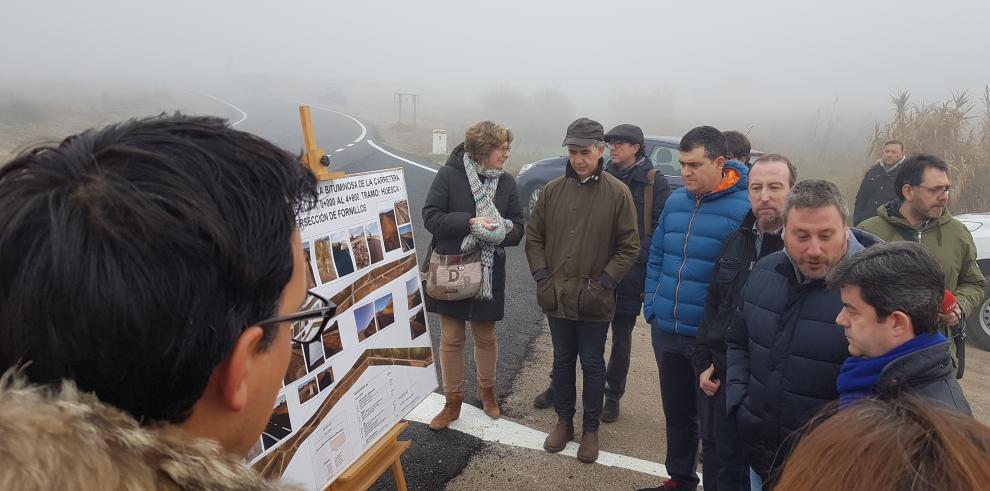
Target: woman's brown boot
(451,411)
(488,402)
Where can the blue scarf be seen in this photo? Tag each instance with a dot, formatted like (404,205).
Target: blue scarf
(859,376)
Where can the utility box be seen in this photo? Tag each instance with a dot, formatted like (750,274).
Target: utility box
(440,142)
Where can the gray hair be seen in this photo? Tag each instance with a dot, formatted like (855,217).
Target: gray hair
(816,193)
(898,276)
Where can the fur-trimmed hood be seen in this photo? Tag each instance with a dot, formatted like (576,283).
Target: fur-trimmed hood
(61,438)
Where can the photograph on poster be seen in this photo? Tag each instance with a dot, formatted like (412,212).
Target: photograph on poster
(279,426)
(390,231)
(417,325)
(406,236)
(310,278)
(297,365)
(412,292)
(402,212)
(331,341)
(325,378)
(342,258)
(255,450)
(374,232)
(364,320)
(359,245)
(308,389)
(384,311)
(314,355)
(324,260)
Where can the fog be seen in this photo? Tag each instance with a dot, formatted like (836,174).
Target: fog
(793,75)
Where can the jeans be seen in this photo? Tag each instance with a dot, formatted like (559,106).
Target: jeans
(755,481)
(618,359)
(732,472)
(681,397)
(570,340)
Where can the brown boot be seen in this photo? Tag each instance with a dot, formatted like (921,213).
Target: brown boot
(558,438)
(488,402)
(451,411)
(588,451)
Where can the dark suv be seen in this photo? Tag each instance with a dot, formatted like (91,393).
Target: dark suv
(662,151)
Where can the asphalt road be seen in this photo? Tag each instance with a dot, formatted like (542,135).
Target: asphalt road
(435,457)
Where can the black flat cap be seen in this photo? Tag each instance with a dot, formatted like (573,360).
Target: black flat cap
(584,132)
(625,133)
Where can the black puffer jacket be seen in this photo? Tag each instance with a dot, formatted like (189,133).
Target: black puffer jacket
(629,294)
(784,355)
(735,261)
(876,190)
(926,373)
(449,206)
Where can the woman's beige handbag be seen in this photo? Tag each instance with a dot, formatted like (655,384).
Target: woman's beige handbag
(452,277)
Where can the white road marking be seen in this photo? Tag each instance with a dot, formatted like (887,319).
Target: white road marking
(390,154)
(475,422)
(364,130)
(243,114)
(349,145)
(340,150)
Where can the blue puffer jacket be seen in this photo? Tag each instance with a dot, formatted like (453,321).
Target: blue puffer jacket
(685,247)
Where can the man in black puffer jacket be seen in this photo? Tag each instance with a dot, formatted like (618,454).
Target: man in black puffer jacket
(785,350)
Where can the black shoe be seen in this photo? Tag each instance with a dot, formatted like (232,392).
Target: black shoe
(544,400)
(610,412)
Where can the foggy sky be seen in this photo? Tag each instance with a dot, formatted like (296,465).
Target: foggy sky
(730,56)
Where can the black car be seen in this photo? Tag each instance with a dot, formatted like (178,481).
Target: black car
(662,151)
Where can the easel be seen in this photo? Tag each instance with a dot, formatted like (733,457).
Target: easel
(314,156)
(379,458)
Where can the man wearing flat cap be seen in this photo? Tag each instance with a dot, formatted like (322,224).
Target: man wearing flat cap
(581,240)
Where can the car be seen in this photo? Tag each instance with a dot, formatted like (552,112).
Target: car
(662,151)
(978,322)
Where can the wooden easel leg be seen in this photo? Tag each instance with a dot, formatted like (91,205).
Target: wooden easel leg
(400,478)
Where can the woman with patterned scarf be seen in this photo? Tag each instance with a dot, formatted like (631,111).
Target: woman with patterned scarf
(472,205)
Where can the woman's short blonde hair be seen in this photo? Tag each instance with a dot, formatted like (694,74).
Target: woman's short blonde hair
(483,137)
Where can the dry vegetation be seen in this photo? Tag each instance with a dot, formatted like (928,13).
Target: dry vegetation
(957,130)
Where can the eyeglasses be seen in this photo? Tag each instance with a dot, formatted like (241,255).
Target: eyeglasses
(937,190)
(307,324)
(616,143)
(504,149)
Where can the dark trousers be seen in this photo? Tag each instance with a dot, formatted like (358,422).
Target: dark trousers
(682,401)
(733,473)
(618,359)
(570,340)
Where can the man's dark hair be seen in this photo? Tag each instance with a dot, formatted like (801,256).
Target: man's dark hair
(704,136)
(816,193)
(737,145)
(132,257)
(776,157)
(894,142)
(912,171)
(897,276)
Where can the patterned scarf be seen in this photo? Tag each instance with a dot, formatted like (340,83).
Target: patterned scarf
(480,236)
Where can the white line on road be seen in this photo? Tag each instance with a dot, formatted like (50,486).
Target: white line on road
(473,421)
(349,145)
(390,154)
(364,130)
(340,150)
(243,114)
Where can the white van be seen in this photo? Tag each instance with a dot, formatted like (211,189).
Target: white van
(978,322)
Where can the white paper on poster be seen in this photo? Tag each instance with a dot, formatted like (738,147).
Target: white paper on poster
(373,363)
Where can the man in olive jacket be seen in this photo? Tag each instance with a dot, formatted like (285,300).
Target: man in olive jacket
(581,240)
(920,215)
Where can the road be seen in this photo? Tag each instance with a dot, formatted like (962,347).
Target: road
(436,457)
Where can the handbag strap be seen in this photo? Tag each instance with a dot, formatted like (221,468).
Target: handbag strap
(425,267)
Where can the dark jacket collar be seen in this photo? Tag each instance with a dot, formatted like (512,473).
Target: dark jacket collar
(456,158)
(916,368)
(638,172)
(595,177)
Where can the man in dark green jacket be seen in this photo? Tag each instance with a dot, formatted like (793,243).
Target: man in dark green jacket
(581,240)
(920,215)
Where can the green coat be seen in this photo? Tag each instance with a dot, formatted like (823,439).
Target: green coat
(951,243)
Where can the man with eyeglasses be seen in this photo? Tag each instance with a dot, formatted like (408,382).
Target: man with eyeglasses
(151,283)
(920,214)
(629,163)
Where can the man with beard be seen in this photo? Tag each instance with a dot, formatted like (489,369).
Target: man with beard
(770,180)
(878,188)
(785,350)
(920,215)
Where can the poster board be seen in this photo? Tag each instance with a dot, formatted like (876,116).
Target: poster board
(374,362)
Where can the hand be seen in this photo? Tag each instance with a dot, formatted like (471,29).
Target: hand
(709,386)
(953,317)
(488,223)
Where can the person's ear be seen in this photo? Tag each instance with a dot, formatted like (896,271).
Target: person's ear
(720,162)
(901,326)
(236,369)
(908,192)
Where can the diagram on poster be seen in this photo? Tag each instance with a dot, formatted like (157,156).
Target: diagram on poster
(373,363)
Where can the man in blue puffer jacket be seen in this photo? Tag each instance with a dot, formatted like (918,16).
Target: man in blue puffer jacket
(696,220)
